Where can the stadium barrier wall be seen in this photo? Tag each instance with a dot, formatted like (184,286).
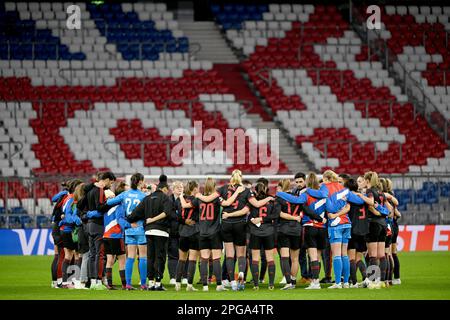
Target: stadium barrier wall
(40,241)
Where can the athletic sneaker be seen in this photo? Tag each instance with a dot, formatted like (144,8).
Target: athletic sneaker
(172,281)
(396,282)
(346,285)
(271,288)
(336,286)
(221,288)
(366,282)
(234,285)
(255,288)
(184,281)
(129,287)
(226,283)
(288,286)
(283,280)
(261,281)
(374,285)
(241,281)
(313,286)
(205,289)
(108,287)
(144,287)
(354,286)
(326,280)
(160,288)
(190,288)
(68,286)
(177,286)
(54,285)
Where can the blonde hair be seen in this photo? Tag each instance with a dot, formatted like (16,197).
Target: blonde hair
(176,183)
(383,185)
(284,184)
(330,175)
(190,186)
(210,186)
(236,177)
(372,177)
(312,181)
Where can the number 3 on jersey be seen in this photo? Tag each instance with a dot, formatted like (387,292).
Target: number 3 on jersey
(131,204)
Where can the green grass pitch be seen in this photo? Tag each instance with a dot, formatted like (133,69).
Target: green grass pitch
(424,275)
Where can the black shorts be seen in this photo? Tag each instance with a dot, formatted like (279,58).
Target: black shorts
(256,242)
(67,241)
(56,235)
(115,247)
(377,233)
(212,242)
(315,238)
(234,232)
(189,243)
(287,241)
(394,233)
(358,243)
(388,242)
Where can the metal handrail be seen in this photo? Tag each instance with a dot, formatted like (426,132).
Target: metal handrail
(326,142)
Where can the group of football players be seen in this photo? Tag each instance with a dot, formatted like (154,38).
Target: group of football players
(353,220)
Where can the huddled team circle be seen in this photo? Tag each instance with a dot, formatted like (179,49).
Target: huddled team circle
(347,223)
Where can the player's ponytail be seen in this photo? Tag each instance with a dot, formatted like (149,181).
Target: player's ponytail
(190,187)
(285,185)
(210,186)
(330,175)
(78,194)
(236,177)
(312,181)
(260,191)
(135,180)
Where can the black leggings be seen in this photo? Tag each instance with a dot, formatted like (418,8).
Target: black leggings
(156,257)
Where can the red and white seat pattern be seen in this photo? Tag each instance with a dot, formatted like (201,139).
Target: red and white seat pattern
(419,37)
(64,125)
(322,95)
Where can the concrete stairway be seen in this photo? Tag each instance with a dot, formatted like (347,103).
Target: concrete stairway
(213,45)
(287,153)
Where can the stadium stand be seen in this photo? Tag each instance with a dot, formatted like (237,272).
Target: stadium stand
(108,96)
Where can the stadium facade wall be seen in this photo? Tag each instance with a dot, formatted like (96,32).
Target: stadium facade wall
(40,241)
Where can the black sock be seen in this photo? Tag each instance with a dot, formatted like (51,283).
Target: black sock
(242,262)
(255,272)
(353,271)
(383,268)
(391,268)
(210,268)
(54,267)
(263,269)
(122,277)
(271,269)
(362,268)
(286,269)
(65,265)
(230,268)
(373,261)
(217,271)
(180,269)
(204,271)
(315,269)
(396,266)
(191,271)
